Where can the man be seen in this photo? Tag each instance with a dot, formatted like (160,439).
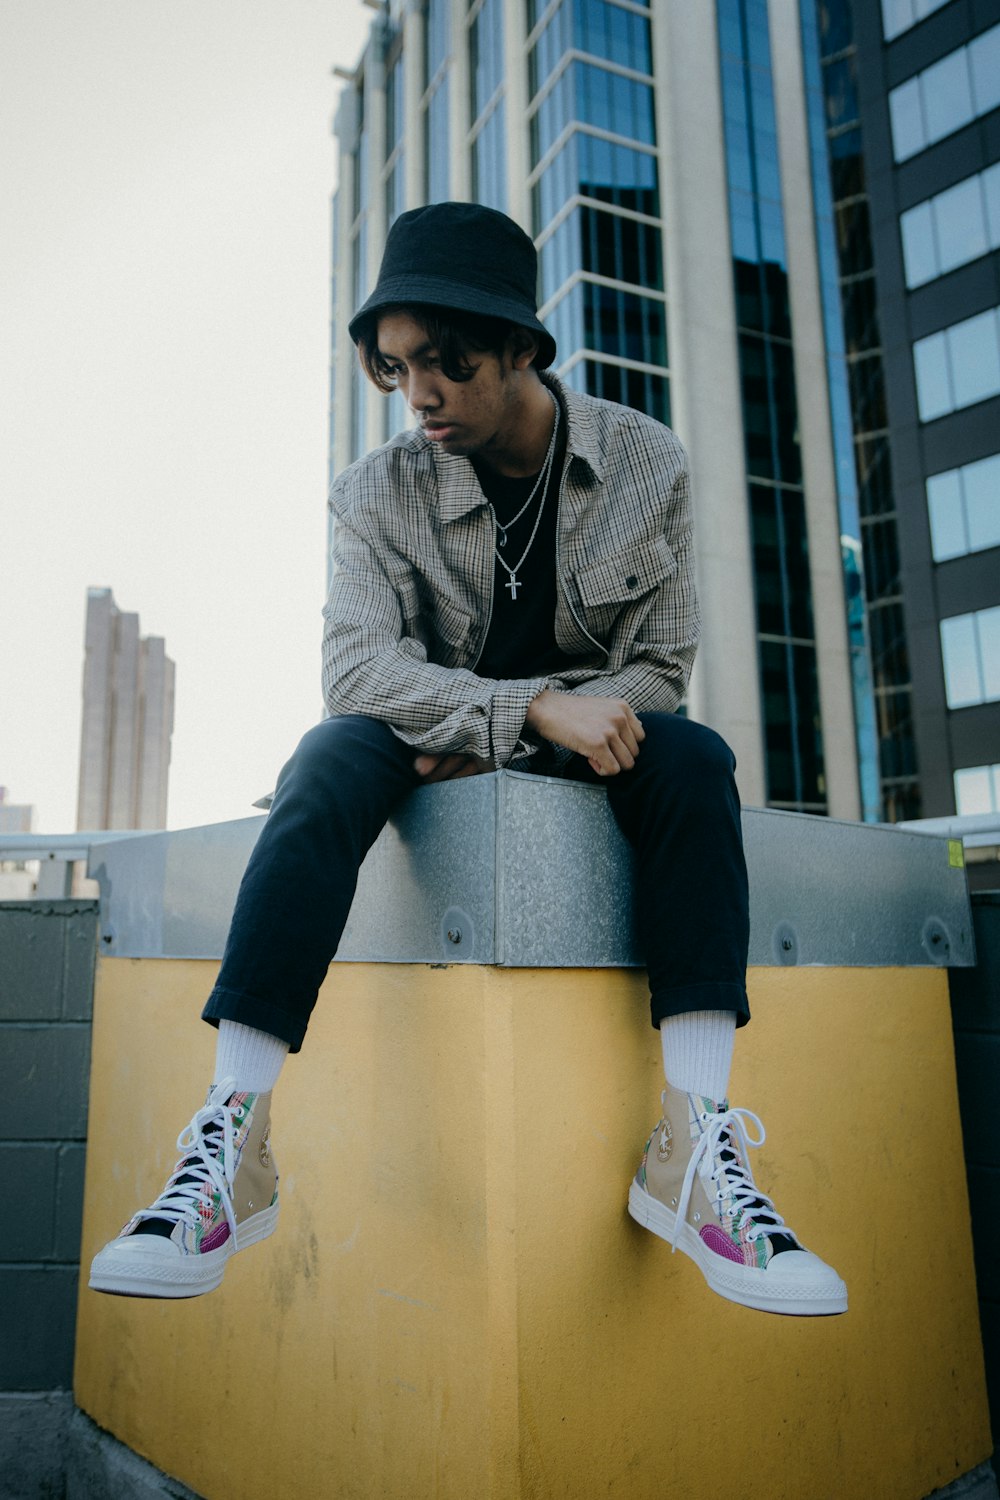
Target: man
(513,586)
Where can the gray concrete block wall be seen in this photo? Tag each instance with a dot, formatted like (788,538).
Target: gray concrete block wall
(47,957)
(975,1009)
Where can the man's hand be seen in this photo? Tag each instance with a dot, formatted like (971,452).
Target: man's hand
(604,731)
(450,767)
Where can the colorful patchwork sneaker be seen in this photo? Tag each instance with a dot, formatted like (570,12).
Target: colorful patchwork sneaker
(694,1189)
(221,1197)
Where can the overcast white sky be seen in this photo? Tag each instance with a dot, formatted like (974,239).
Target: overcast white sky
(165,184)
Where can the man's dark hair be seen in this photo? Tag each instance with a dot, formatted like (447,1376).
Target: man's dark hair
(454,334)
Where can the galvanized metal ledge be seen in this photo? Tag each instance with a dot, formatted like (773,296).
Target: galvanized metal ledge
(530,871)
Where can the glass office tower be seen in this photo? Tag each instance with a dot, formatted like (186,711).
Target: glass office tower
(913,91)
(661,161)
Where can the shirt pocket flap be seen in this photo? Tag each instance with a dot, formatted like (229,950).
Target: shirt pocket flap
(627,574)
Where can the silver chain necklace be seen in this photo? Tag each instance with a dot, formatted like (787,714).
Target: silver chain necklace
(541,482)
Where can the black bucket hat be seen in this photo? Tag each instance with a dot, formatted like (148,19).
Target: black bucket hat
(463,256)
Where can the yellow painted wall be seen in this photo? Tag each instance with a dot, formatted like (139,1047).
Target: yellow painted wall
(456,1303)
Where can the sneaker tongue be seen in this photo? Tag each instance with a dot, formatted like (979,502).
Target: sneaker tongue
(166,1227)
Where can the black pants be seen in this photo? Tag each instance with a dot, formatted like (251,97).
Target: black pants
(678,807)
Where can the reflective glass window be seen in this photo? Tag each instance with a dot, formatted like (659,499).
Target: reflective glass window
(970,647)
(981,497)
(920,260)
(958,88)
(793,738)
(623,324)
(974,356)
(781,562)
(946,513)
(984,57)
(606,30)
(991,194)
(436,35)
(952,228)
(960,224)
(395,200)
(596,168)
(486,54)
(930,359)
(437,135)
(988,624)
(629,387)
(394,106)
(594,96)
(881,554)
(899,15)
(606,243)
(946,90)
(906,116)
(977,790)
(960,651)
(489,162)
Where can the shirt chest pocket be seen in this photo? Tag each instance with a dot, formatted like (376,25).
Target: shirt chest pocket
(442,627)
(623,577)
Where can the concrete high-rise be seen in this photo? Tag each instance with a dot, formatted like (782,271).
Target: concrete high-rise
(913,109)
(671,166)
(128,719)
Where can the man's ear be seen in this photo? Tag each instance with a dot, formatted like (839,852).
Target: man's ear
(523,347)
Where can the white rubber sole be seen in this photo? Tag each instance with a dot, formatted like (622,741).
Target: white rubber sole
(818,1292)
(138,1267)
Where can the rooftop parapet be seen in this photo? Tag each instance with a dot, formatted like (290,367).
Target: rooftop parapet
(527,871)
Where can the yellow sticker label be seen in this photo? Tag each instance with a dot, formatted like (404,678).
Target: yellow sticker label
(956,854)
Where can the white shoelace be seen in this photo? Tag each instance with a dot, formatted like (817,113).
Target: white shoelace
(206,1163)
(732,1179)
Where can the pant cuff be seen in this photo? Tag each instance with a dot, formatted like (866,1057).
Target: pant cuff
(715,994)
(232,1005)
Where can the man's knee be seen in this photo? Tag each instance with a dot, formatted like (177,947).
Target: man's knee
(338,748)
(682,746)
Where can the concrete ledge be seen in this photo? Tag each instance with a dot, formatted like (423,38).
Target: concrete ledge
(51,1451)
(531,871)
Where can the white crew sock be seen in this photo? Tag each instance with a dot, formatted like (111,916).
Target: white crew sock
(698,1051)
(252,1057)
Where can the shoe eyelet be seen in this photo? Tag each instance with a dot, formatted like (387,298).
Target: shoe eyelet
(673,1203)
(697,1218)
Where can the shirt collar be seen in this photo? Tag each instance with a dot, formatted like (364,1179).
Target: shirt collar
(459,491)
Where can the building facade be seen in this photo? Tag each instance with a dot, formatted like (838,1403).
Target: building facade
(913,94)
(17,881)
(128,720)
(671,166)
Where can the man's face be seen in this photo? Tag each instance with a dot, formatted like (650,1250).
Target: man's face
(465,417)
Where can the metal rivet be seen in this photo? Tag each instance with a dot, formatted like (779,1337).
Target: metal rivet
(454,934)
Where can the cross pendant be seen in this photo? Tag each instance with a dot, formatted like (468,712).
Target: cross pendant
(513,585)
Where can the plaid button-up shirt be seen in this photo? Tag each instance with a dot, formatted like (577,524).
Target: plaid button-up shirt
(412,590)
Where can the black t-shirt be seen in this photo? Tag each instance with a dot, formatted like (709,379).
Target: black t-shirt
(521,640)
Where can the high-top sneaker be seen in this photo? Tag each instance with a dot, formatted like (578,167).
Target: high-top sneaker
(221,1197)
(694,1189)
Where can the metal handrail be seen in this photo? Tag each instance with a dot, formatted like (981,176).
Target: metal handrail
(63,846)
(976,830)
